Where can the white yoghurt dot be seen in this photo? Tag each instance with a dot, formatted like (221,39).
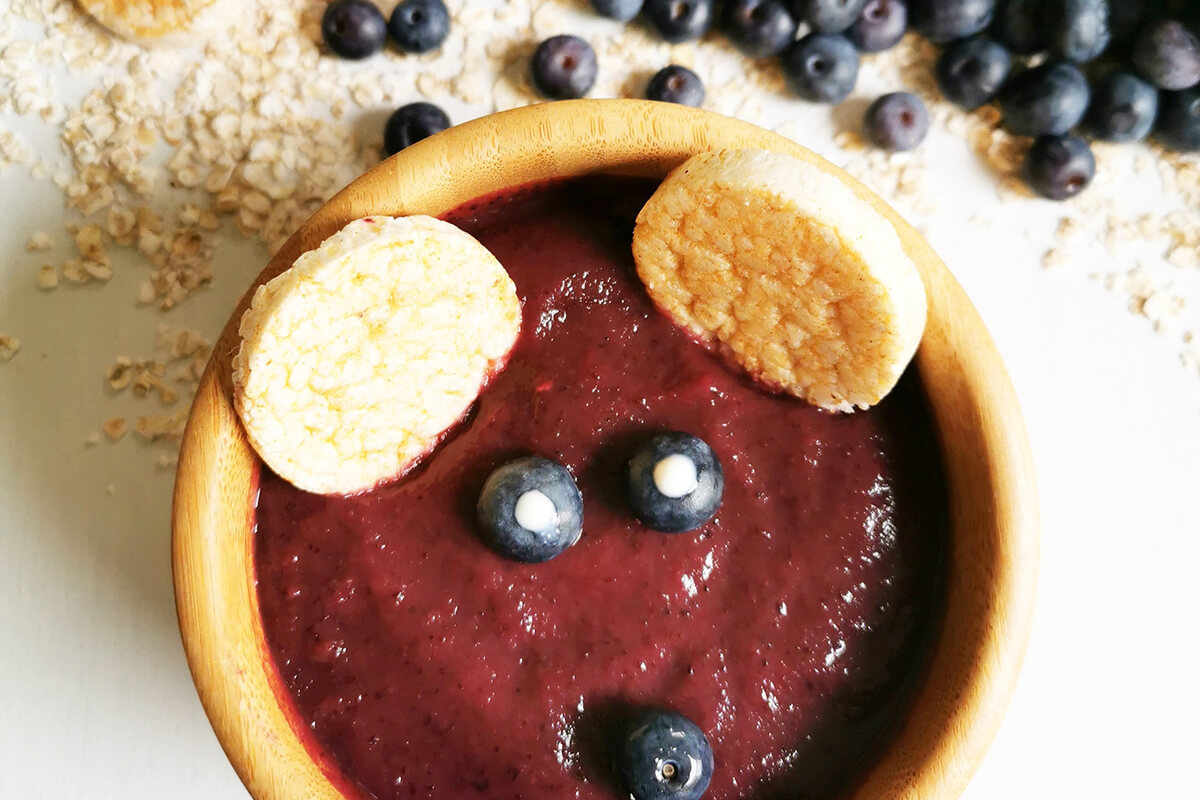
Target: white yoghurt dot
(675,476)
(535,512)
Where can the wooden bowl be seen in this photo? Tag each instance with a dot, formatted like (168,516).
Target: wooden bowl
(994,522)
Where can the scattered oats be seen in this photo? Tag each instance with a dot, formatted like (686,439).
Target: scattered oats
(115,428)
(47,277)
(1055,257)
(9,345)
(93,440)
(110,489)
(39,242)
(1184,256)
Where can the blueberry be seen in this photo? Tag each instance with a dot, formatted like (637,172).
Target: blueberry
(419,26)
(353,28)
(1168,55)
(564,67)
(1019,25)
(897,121)
(971,71)
(946,20)
(1049,99)
(1123,108)
(665,756)
(679,20)
(1178,124)
(829,16)
(675,483)
(676,84)
(410,124)
(1078,28)
(530,509)
(1059,167)
(822,67)
(880,26)
(759,28)
(620,10)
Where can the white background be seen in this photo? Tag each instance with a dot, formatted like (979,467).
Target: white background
(96,698)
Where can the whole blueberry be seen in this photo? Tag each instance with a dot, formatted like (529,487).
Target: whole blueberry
(829,16)
(676,84)
(759,28)
(564,67)
(665,756)
(880,26)
(419,26)
(530,509)
(1078,29)
(675,483)
(822,67)
(620,10)
(1050,99)
(971,71)
(1059,167)
(1168,55)
(411,123)
(679,20)
(945,20)
(1123,108)
(1020,26)
(1178,124)
(897,121)
(353,28)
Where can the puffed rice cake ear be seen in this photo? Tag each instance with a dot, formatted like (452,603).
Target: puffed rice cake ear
(778,264)
(356,361)
(161,22)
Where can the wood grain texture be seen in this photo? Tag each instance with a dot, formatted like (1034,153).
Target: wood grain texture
(993,506)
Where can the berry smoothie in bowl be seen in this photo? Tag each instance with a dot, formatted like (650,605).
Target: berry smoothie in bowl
(605,449)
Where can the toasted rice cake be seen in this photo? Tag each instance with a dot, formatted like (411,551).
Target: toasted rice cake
(778,264)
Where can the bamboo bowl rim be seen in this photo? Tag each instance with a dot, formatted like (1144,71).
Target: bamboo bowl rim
(992,559)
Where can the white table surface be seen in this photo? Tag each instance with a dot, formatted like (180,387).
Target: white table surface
(97,699)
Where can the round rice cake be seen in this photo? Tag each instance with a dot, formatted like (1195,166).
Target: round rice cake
(781,266)
(355,362)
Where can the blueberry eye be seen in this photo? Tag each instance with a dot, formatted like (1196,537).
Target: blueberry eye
(675,483)
(666,756)
(530,509)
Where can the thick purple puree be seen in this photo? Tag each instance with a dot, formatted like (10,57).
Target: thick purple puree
(792,627)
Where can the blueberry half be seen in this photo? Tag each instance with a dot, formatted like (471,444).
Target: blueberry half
(675,483)
(530,509)
(665,756)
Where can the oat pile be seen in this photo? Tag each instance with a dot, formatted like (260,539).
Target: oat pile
(168,152)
